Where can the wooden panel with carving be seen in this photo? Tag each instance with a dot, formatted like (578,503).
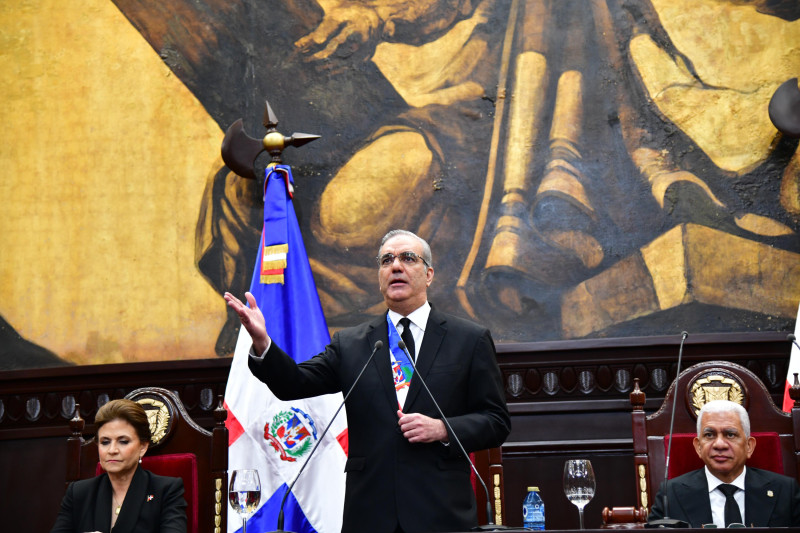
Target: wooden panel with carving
(568,399)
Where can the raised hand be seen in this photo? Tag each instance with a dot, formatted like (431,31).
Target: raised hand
(251,318)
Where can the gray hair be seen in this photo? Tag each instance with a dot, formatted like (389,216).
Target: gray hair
(725,406)
(426,249)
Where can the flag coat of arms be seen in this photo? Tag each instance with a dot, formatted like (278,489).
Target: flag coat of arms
(270,435)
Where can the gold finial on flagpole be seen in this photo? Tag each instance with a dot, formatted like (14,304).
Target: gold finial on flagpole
(239,150)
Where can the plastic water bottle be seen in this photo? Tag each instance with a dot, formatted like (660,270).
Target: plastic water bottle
(533,510)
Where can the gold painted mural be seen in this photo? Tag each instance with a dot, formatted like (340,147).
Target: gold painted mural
(105,154)
(581,168)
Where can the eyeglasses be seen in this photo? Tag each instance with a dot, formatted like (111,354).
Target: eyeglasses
(408,258)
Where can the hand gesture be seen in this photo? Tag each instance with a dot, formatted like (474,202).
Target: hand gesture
(417,427)
(252,319)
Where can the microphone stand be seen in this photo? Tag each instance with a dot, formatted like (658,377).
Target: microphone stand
(793,339)
(668,522)
(491,526)
(378,346)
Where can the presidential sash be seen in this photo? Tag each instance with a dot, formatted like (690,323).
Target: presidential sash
(402,369)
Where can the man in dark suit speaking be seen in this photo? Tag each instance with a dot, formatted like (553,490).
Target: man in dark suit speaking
(404,472)
(726,491)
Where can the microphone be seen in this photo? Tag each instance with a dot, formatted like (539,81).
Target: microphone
(667,521)
(378,346)
(491,526)
(791,338)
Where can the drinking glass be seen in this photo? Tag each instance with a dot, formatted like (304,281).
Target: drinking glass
(244,493)
(579,484)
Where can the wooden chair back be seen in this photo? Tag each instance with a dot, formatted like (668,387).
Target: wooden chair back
(179,448)
(776,432)
(489,464)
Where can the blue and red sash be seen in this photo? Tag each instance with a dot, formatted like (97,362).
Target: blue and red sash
(402,369)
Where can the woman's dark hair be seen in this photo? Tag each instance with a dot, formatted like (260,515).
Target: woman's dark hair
(127,410)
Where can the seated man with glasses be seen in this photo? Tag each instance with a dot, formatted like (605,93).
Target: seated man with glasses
(404,472)
(725,491)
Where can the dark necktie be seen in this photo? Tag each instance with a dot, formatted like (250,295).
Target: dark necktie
(407,337)
(732,513)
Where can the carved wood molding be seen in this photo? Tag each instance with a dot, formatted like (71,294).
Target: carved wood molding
(591,374)
(40,402)
(604,369)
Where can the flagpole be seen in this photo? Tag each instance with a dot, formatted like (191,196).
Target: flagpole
(284,287)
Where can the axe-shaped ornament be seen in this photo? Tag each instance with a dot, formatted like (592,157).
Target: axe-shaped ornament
(239,150)
(784,108)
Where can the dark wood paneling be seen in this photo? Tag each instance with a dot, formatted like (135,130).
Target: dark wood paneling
(36,405)
(571,400)
(33,474)
(528,466)
(568,399)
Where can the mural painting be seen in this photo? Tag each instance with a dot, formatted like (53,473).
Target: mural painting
(581,168)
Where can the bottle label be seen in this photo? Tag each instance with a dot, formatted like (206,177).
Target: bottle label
(533,512)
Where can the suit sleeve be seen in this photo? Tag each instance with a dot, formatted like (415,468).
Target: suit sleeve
(65,518)
(291,381)
(485,422)
(173,512)
(657,511)
(795,514)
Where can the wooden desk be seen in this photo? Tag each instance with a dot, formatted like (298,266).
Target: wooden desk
(686,530)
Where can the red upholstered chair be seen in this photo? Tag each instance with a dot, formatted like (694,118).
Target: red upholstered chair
(777,433)
(489,464)
(767,455)
(180,448)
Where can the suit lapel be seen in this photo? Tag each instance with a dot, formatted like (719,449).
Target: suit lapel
(379,331)
(692,496)
(758,505)
(102,509)
(434,335)
(132,507)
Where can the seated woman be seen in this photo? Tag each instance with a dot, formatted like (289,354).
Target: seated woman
(126,496)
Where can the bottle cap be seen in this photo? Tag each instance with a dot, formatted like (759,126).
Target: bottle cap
(535,489)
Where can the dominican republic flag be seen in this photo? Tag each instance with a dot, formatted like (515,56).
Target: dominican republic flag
(794,366)
(267,434)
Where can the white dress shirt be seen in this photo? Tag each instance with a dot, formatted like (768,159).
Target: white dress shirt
(419,319)
(717,498)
